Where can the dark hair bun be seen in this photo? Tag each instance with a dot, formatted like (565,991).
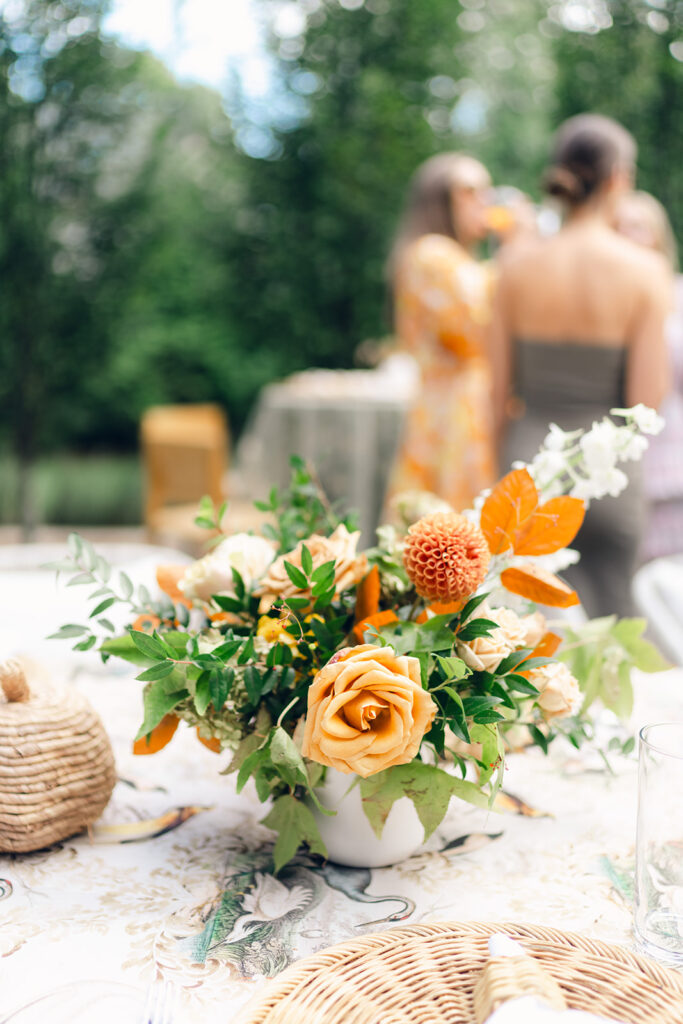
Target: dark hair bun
(564,184)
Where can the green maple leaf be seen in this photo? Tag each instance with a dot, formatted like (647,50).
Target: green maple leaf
(295,824)
(428,787)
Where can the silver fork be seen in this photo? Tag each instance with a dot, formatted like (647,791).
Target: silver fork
(160,1003)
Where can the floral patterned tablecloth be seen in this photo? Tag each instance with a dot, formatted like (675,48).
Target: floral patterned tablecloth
(175,880)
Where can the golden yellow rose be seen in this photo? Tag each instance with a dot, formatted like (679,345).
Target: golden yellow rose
(339,547)
(366,711)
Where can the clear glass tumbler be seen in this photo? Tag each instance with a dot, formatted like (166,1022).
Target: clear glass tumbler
(659,844)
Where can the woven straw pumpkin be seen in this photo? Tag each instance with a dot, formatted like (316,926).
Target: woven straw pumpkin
(56,763)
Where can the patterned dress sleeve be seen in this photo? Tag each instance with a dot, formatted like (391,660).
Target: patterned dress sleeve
(443,296)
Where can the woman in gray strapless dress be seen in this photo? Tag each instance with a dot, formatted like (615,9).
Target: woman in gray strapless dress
(579,329)
(572,385)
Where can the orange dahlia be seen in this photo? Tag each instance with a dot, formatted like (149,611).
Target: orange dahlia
(446,556)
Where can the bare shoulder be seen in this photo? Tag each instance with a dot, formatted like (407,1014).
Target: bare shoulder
(517,260)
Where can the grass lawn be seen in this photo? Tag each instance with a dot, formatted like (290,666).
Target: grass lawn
(88,490)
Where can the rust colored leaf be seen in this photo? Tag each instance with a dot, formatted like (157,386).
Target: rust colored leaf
(211,742)
(168,577)
(538,585)
(509,505)
(546,646)
(160,735)
(378,620)
(440,608)
(146,623)
(367,595)
(552,526)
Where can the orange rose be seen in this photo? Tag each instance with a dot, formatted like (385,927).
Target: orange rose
(367,710)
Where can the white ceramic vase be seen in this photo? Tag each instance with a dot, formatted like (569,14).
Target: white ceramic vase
(348,835)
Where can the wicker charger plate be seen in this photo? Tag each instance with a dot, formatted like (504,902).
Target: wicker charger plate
(426,974)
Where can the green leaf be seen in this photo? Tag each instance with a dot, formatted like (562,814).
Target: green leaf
(251,762)
(123,647)
(85,645)
(159,671)
(159,698)
(202,693)
(295,825)
(251,742)
(296,576)
(67,632)
(253,684)
(284,754)
(539,738)
(644,655)
(82,577)
(226,603)
(74,544)
(454,668)
(513,659)
(220,685)
(472,606)
(107,624)
(102,607)
(428,787)
(476,628)
(240,589)
(521,685)
(306,560)
(324,573)
(126,585)
(147,645)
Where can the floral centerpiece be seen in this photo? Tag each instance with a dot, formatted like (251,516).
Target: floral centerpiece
(412,666)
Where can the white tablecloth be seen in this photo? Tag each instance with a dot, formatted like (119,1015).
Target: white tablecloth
(197,905)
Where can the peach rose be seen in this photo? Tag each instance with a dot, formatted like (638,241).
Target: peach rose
(559,695)
(339,547)
(514,628)
(367,710)
(485,653)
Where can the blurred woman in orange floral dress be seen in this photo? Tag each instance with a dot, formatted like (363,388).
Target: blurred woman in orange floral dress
(441,307)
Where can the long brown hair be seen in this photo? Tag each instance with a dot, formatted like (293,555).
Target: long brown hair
(429,206)
(588,149)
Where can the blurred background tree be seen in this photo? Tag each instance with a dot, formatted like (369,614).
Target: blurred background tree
(162,242)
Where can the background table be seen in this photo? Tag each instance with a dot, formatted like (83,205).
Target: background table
(346,423)
(197,904)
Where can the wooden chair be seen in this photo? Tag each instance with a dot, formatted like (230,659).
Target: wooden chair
(185,455)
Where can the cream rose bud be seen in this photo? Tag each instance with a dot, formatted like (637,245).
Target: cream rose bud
(512,626)
(248,554)
(535,628)
(559,693)
(485,653)
(367,710)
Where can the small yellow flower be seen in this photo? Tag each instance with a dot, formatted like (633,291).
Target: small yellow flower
(273,631)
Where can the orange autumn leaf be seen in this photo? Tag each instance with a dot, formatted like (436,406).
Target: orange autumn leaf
(168,577)
(367,595)
(378,619)
(546,646)
(441,608)
(146,623)
(511,502)
(160,735)
(539,585)
(211,742)
(552,526)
